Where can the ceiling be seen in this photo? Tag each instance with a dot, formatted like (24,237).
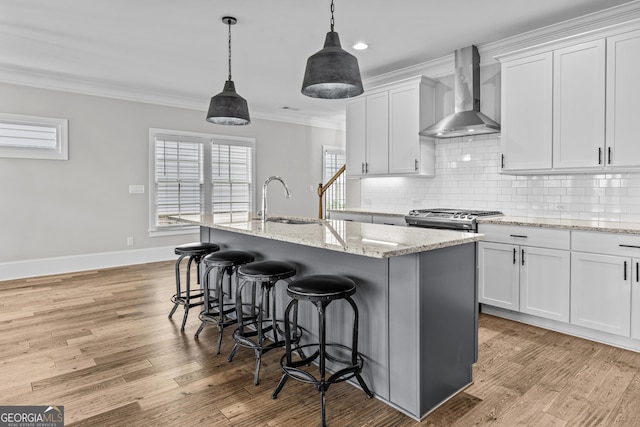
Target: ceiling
(177,50)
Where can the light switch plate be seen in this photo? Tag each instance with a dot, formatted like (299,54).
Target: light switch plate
(136,189)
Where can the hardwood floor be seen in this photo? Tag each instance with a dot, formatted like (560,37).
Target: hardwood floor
(100,344)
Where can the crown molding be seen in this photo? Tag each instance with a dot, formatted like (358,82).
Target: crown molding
(64,83)
(433,69)
(615,18)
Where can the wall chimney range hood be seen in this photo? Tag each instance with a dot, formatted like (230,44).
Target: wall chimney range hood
(467,119)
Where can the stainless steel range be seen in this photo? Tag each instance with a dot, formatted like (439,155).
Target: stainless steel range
(448,219)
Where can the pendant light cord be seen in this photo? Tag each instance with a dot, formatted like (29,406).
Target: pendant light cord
(332,21)
(229,23)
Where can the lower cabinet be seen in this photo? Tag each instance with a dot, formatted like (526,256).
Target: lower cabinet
(369,217)
(498,278)
(527,279)
(349,216)
(544,283)
(605,282)
(525,269)
(601,292)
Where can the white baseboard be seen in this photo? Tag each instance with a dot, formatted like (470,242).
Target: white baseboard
(565,328)
(70,264)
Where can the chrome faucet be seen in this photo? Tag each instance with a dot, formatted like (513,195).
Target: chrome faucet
(264,194)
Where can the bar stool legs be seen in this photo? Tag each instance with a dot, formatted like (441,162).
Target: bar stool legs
(254,333)
(217,310)
(321,290)
(188,297)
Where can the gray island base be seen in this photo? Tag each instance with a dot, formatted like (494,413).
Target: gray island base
(418,309)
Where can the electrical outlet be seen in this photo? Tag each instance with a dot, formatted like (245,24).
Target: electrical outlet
(130,241)
(311,188)
(136,189)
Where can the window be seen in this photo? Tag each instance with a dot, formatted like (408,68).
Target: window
(333,159)
(194,173)
(30,137)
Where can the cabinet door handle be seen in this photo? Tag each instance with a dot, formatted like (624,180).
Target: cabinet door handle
(609,153)
(625,270)
(514,256)
(523,257)
(503,161)
(629,246)
(416,165)
(518,235)
(637,272)
(362,167)
(599,155)
(366,167)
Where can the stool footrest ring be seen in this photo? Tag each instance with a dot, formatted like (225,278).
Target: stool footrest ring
(344,374)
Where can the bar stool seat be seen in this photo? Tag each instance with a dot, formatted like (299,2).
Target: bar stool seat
(321,290)
(190,297)
(253,333)
(216,311)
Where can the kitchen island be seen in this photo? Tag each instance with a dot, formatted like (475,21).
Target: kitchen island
(416,297)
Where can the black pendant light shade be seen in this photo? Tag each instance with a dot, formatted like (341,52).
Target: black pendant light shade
(227,107)
(332,73)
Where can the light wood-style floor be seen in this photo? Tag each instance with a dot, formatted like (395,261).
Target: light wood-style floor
(100,343)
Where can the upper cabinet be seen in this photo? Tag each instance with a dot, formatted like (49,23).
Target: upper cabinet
(527,89)
(623,92)
(571,109)
(578,105)
(382,130)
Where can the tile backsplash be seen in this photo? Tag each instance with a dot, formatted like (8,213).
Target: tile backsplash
(467,177)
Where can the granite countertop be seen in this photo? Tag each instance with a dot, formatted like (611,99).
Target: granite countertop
(371,240)
(571,224)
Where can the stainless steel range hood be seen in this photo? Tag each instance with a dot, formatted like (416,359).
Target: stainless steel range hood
(467,119)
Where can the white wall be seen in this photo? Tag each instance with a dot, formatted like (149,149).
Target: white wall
(467,177)
(82,206)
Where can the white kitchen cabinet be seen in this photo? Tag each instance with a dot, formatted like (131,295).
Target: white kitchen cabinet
(527,97)
(498,275)
(351,216)
(545,282)
(605,287)
(601,292)
(525,269)
(411,108)
(382,130)
(578,106)
(623,92)
(369,217)
(389,219)
(377,141)
(356,132)
(570,107)
(367,135)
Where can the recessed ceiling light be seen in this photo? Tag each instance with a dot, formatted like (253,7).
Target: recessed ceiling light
(360,46)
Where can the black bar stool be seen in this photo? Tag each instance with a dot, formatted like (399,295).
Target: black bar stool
(216,311)
(321,290)
(252,333)
(190,297)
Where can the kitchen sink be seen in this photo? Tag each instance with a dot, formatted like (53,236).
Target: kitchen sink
(292,221)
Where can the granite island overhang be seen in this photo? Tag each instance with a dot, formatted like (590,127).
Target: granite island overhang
(416,296)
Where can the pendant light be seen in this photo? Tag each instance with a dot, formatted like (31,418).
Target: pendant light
(332,73)
(227,107)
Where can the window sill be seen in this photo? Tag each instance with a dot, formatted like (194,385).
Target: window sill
(174,231)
